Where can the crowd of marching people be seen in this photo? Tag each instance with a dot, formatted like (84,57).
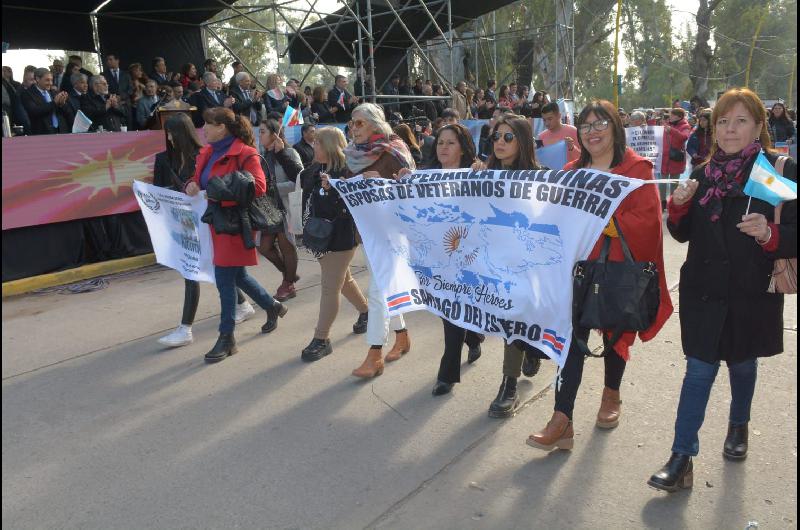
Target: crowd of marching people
(730,308)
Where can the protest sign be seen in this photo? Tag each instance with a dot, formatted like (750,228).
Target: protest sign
(553,156)
(647,141)
(490,251)
(180,240)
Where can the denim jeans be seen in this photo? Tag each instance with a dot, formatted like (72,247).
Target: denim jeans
(696,388)
(228,279)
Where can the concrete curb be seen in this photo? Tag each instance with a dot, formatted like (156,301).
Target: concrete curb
(93,270)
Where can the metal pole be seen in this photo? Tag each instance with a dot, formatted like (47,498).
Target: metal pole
(360,71)
(450,44)
(370,43)
(616,57)
(477,66)
(494,44)
(572,45)
(233,53)
(558,28)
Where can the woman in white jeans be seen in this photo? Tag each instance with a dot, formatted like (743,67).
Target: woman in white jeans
(376,152)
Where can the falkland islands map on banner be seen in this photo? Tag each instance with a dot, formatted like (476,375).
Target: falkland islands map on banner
(491,251)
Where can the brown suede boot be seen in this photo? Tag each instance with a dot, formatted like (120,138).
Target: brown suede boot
(402,345)
(372,365)
(557,434)
(608,415)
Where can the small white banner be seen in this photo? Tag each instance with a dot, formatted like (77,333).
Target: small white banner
(647,141)
(180,240)
(490,251)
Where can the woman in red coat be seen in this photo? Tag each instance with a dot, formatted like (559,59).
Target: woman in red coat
(676,131)
(231,148)
(603,147)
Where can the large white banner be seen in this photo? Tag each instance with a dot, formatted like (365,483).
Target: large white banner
(647,141)
(180,240)
(491,251)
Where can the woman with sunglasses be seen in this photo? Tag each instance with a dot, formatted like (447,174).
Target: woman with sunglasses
(454,150)
(376,152)
(513,147)
(601,136)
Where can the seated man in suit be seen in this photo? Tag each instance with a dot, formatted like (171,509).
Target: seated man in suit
(209,97)
(247,100)
(146,106)
(80,85)
(340,101)
(104,109)
(159,72)
(47,109)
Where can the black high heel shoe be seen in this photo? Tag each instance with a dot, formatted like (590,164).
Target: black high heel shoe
(677,473)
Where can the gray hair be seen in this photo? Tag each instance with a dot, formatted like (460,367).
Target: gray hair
(638,115)
(75,78)
(241,75)
(374,115)
(208,77)
(41,72)
(94,79)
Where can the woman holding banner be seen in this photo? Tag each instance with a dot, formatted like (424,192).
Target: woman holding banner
(231,148)
(334,262)
(513,147)
(454,150)
(603,148)
(726,310)
(281,164)
(173,168)
(376,152)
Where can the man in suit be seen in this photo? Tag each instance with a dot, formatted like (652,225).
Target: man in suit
(237,67)
(340,101)
(104,109)
(147,103)
(77,59)
(305,147)
(247,101)
(209,97)
(159,72)
(58,72)
(80,85)
(46,108)
(119,81)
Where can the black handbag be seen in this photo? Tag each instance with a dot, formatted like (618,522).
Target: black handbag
(677,155)
(619,296)
(317,232)
(264,213)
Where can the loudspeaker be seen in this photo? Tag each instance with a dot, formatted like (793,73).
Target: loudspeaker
(523,62)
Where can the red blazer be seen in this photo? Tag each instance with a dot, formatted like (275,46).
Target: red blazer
(676,138)
(229,250)
(639,218)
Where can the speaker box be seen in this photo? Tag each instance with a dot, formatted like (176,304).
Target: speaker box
(523,62)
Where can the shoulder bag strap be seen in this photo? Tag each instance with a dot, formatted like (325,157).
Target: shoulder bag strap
(780,164)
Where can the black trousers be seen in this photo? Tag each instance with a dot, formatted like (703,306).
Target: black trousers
(572,373)
(454,340)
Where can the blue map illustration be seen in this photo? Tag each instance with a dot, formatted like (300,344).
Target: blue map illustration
(444,240)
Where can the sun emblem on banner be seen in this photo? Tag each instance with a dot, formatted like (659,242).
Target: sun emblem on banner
(113,173)
(454,244)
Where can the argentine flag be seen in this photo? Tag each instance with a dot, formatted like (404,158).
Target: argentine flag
(766,184)
(292,116)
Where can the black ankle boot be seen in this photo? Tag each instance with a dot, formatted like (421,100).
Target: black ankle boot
(316,350)
(473,354)
(361,324)
(530,364)
(677,473)
(441,388)
(277,310)
(736,442)
(506,402)
(225,346)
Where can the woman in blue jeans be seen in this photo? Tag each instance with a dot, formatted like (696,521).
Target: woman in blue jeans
(231,148)
(726,310)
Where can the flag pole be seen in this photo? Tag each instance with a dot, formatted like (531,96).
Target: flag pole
(749,200)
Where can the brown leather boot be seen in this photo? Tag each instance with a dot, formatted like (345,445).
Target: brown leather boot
(557,434)
(372,365)
(608,415)
(402,345)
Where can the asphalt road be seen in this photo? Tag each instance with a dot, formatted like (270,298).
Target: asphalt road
(104,429)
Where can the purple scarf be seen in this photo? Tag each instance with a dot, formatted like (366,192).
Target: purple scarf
(724,173)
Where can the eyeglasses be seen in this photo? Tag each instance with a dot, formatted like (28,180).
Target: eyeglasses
(599,125)
(507,137)
(357,124)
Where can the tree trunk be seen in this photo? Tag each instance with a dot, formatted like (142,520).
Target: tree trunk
(701,54)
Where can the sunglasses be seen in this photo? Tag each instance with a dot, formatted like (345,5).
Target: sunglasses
(599,125)
(507,137)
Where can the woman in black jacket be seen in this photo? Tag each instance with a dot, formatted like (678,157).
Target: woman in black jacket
(319,108)
(726,310)
(781,128)
(173,168)
(322,201)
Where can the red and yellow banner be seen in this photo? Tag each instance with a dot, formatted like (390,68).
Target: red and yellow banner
(56,178)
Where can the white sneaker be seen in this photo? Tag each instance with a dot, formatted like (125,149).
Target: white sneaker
(243,312)
(180,337)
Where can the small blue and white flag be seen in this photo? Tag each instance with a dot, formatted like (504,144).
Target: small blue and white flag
(766,184)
